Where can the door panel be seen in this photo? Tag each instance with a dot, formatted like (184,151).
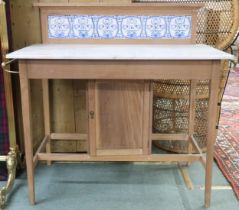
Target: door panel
(119,111)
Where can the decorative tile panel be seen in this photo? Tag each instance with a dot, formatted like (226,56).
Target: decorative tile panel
(119,27)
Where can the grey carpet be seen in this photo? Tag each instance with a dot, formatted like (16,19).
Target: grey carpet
(119,186)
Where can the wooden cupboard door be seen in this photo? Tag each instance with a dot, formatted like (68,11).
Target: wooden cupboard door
(119,117)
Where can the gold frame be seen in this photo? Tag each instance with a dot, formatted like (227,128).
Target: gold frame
(11,158)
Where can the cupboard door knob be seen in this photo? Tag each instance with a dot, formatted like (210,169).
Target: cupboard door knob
(92,114)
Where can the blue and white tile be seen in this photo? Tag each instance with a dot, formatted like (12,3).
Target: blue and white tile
(119,27)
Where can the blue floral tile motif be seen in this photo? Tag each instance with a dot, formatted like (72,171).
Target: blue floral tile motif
(119,27)
(179,27)
(59,26)
(131,27)
(107,27)
(83,27)
(156,27)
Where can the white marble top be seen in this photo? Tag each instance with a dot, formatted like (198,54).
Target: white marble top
(119,52)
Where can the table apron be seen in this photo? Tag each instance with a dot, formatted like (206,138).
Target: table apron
(119,69)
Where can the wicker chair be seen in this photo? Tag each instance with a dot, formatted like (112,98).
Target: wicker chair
(217,26)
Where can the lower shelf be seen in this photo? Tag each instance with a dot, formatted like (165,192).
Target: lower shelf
(136,158)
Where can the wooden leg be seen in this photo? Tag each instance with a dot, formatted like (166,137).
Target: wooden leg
(191,124)
(150,116)
(212,122)
(192,109)
(26,112)
(46,108)
(147,119)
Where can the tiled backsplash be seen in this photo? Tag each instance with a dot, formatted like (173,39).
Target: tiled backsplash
(119,27)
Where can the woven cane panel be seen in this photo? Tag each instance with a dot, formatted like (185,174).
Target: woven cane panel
(171,115)
(214,21)
(179,88)
(170,108)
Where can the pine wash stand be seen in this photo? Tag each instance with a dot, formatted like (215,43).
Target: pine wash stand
(119,50)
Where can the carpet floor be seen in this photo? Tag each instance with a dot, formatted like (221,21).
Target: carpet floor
(120,186)
(227,144)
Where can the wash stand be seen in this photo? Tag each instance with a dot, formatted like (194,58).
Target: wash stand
(120,50)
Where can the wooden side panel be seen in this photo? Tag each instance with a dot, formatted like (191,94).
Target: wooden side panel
(80,112)
(62,113)
(68,113)
(37,112)
(119,114)
(25,23)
